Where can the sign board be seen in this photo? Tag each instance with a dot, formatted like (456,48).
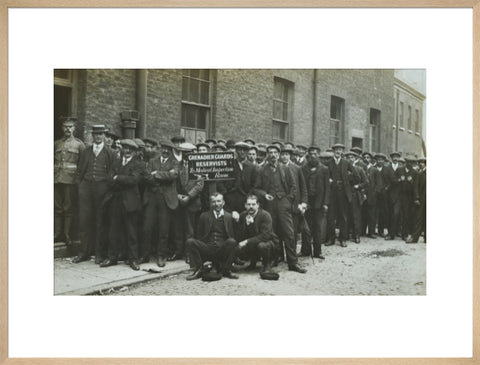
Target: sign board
(211,166)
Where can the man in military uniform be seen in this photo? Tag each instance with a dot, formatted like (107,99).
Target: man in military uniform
(66,154)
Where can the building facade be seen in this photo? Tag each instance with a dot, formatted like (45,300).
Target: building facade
(355,107)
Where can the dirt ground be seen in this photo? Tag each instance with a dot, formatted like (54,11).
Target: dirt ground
(373,267)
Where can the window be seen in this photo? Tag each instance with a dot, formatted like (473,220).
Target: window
(409,118)
(400,115)
(282,109)
(417,121)
(195,104)
(375,130)
(337,106)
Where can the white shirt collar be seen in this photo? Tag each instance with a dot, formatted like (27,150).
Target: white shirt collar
(126,160)
(218,215)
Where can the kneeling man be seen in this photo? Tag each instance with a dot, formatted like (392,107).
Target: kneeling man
(215,241)
(256,234)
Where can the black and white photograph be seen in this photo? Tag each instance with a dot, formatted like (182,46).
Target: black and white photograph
(240,182)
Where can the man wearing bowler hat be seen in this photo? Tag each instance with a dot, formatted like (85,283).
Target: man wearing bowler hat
(159,200)
(66,155)
(124,204)
(94,171)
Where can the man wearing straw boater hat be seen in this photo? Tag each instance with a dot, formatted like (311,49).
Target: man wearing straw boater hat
(94,169)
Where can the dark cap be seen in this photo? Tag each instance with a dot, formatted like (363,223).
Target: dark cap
(222,141)
(249,140)
(395,153)
(380,155)
(129,143)
(367,153)
(98,128)
(139,142)
(230,143)
(338,145)
(253,147)
(210,140)
(351,153)
(326,154)
(269,275)
(167,144)
(151,141)
(288,149)
(68,120)
(302,147)
(112,135)
(273,146)
(357,150)
(219,145)
(211,276)
(313,148)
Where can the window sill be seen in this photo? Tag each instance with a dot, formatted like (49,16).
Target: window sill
(410,131)
(394,126)
(402,129)
(417,134)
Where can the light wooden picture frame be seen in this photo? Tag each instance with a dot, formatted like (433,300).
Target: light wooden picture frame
(4,187)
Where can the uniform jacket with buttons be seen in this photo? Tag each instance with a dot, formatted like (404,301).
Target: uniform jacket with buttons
(66,156)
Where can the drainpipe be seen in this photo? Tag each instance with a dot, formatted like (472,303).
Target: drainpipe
(396,121)
(314,113)
(141,102)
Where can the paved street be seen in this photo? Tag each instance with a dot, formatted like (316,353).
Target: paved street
(373,267)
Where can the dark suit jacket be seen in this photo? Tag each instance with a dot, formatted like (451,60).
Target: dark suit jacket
(87,157)
(420,187)
(360,179)
(205,224)
(374,185)
(322,187)
(346,170)
(126,184)
(301,196)
(236,191)
(192,188)
(263,182)
(393,181)
(163,181)
(262,226)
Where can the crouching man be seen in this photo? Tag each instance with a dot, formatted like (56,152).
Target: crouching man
(215,241)
(255,232)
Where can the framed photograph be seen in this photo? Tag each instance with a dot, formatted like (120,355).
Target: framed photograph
(393,78)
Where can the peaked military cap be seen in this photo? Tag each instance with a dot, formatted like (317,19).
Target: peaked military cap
(68,120)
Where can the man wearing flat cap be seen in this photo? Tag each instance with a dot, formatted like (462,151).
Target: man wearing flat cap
(236,191)
(341,173)
(94,172)
(420,201)
(394,176)
(370,205)
(160,199)
(124,204)
(381,196)
(66,155)
(274,184)
(408,205)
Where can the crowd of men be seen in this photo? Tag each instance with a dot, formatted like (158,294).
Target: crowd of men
(136,201)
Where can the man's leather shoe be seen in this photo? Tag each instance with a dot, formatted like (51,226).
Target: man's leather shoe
(303,254)
(297,268)
(229,274)
(197,274)
(319,256)
(80,258)
(98,260)
(410,241)
(108,262)
(161,261)
(143,260)
(389,238)
(371,236)
(134,265)
(343,243)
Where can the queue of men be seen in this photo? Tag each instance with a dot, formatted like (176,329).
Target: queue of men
(136,201)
